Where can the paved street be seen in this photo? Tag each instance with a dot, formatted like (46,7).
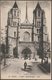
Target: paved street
(14,69)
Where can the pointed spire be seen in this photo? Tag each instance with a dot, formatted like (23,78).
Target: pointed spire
(38,5)
(26,17)
(15,5)
(26,11)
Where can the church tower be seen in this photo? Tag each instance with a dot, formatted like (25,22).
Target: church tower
(13,27)
(13,15)
(37,22)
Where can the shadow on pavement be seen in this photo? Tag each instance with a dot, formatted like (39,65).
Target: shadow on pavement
(28,69)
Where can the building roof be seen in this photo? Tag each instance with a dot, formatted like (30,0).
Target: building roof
(37,7)
(15,5)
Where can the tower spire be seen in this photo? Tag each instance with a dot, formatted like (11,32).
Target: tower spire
(15,5)
(26,16)
(26,11)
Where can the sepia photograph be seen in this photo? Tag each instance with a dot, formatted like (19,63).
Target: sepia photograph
(25,39)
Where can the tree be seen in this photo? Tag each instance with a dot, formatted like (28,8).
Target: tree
(7,44)
(3,50)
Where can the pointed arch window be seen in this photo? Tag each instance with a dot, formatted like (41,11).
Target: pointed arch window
(39,13)
(14,12)
(38,38)
(14,34)
(38,30)
(26,36)
(38,24)
(14,23)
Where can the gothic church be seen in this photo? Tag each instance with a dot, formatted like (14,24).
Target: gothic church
(25,36)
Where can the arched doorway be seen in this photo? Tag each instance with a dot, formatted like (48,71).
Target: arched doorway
(26,53)
(15,54)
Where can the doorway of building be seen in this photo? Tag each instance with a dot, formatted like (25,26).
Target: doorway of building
(26,53)
(15,54)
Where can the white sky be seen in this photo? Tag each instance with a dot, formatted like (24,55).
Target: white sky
(45,5)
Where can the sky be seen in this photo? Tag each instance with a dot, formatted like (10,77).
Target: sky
(7,5)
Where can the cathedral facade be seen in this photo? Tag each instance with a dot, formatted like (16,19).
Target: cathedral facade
(25,36)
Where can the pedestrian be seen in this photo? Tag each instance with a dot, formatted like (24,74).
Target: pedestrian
(25,65)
